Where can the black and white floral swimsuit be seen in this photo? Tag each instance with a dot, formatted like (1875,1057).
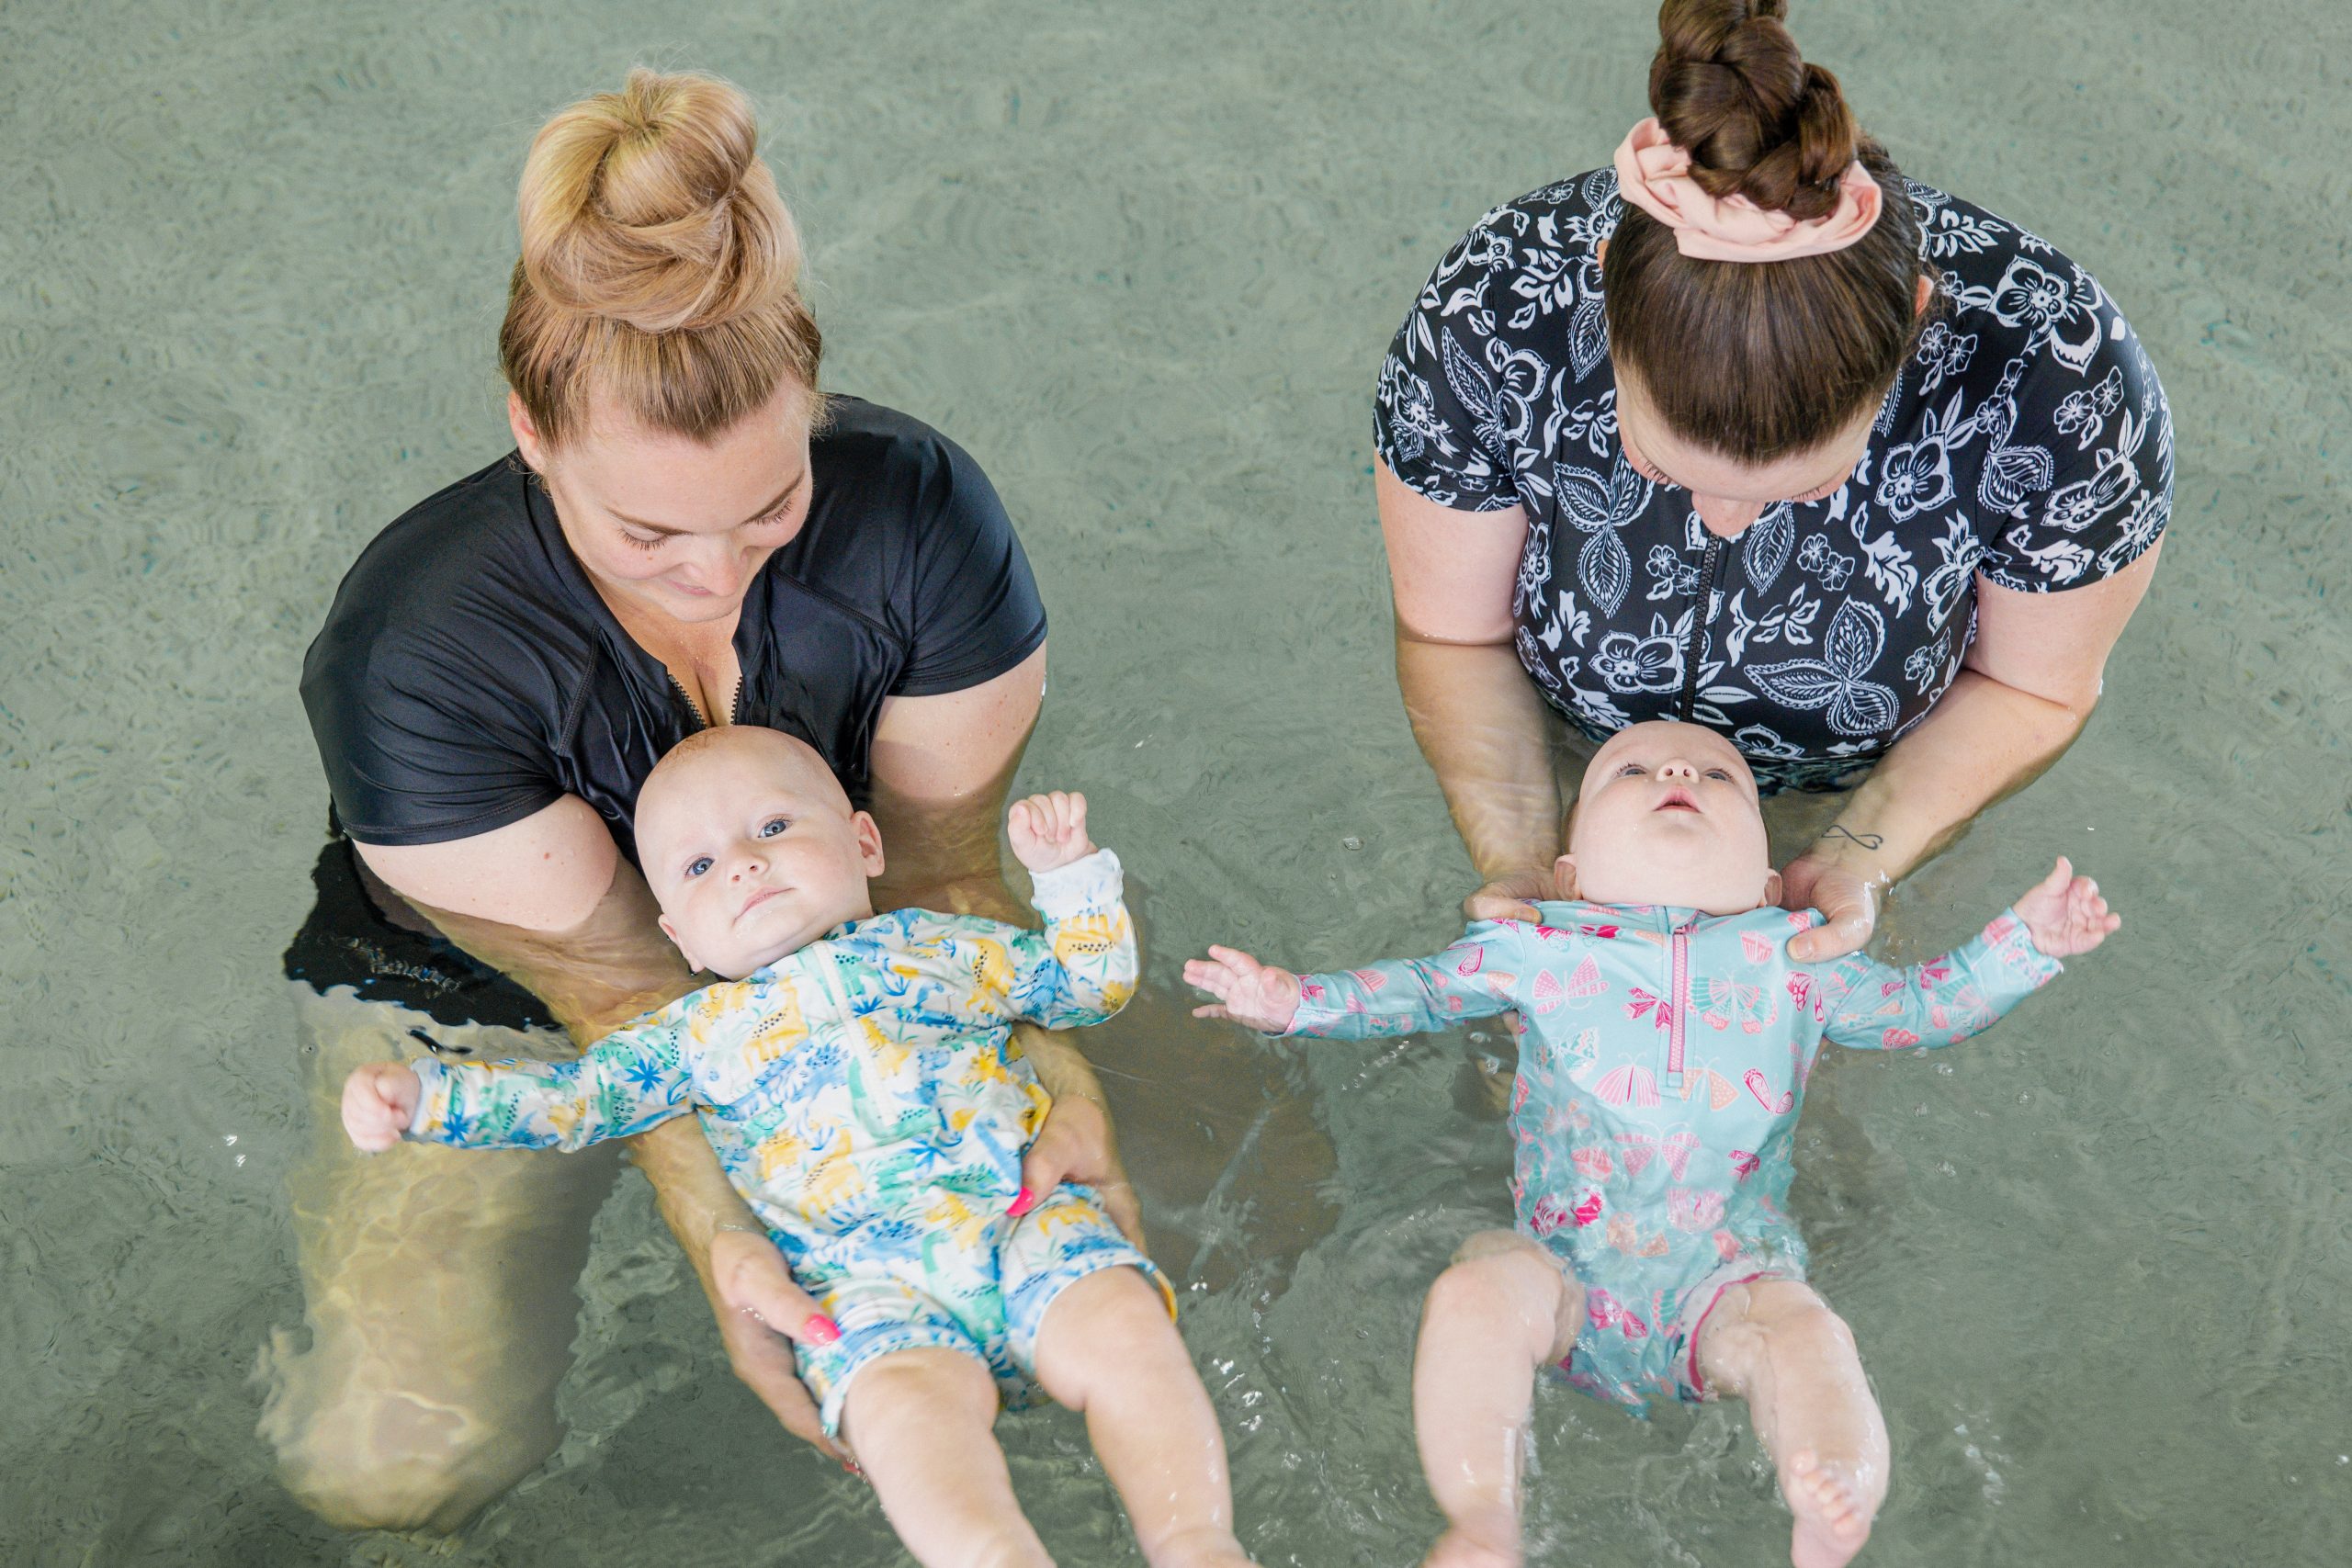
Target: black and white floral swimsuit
(2026,441)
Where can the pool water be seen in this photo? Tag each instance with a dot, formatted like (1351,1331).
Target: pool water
(1142,260)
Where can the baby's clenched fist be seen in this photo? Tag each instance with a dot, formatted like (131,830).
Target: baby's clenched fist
(378,1103)
(1049,831)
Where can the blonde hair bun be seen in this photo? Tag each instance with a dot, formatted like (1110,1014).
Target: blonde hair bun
(650,207)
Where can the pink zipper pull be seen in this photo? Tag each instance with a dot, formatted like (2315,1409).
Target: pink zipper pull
(1678,1001)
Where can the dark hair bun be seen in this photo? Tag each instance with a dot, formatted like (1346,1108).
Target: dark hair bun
(1730,87)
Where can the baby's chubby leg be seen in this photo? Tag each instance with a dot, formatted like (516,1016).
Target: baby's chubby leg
(1108,1350)
(1502,1311)
(920,1424)
(1777,1345)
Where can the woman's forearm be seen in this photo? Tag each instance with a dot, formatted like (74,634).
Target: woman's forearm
(1494,746)
(1982,741)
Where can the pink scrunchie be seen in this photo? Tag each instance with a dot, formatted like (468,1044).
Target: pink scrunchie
(1654,174)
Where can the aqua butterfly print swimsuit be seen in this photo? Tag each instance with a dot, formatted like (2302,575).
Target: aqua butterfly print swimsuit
(1663,1058)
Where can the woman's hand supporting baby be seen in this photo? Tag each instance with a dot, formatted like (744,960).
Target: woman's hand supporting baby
(1247,992)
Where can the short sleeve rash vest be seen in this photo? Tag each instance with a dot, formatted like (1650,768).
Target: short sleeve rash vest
(469,674)
(2027,439)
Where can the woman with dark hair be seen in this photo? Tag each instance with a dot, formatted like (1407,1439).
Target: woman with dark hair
(1753,432)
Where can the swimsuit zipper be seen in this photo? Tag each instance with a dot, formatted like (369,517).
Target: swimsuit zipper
(1678,996)
(1703,616)
(692,712)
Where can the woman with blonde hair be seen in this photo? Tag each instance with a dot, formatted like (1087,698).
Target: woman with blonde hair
(689,533)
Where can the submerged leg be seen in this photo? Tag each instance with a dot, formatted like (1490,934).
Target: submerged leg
(438,1286)
(922,1422)
(1502,1311)
(1777,1345)
(1108,1350)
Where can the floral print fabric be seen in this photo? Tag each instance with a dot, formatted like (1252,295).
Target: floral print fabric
(2027,440)
(863,1093)
(1663,1059)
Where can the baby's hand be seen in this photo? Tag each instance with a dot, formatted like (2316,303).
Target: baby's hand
(378,1103)
(2066,913)
(1049,831)
(1259,995)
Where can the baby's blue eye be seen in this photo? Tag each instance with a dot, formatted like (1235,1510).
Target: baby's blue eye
(698,865)
(1719,773)
(772,826)
(1631,768)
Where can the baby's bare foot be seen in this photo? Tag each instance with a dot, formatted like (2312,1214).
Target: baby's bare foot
(1833,1509)
(1461,1548)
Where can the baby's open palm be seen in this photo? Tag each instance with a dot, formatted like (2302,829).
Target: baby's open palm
(1247,992)
(2066,913)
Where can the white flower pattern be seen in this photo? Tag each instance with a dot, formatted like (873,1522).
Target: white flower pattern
(2026,443)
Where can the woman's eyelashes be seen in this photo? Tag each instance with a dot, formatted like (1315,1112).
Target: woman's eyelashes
(653,542)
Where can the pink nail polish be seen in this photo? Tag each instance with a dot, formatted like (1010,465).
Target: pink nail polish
(819,1329)
(1023,1202)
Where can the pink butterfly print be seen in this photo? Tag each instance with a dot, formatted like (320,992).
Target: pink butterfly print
(1586,982)
(1549,1215)
(1602,1308)
(1606,934)
(1549,933)
(1760,1087)
(1736,999)
(1628,1085)
(1674,1151)
(1692,1210)
(1549,993)
(1311,991)
(1594,1161)
(1934,973)
(1471,962)
(1371,979)
(1587,1210)
(1746,1163)
(1727,1246)
(1800,918)
(1643,1002)
(1753,946)
(1519,1092)
(1800,987)
(1896,1039)
(2003,927)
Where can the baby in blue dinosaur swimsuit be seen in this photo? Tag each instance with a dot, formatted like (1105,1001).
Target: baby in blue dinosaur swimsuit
(1664,1039)
(855,1075)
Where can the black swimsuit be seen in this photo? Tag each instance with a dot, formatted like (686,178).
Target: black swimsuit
(2027,440)
(469,674)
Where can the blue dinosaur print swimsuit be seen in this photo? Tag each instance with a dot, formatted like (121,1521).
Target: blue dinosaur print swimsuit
(866,1099)
(1663,1059)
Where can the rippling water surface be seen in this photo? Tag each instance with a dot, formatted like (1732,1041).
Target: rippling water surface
(1142,260)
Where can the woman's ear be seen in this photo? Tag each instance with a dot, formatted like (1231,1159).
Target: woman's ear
(526,434)
(1564,877)
(869,842)
(1772,889)
(1927,292)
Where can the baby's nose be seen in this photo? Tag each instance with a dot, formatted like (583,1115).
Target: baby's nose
(1677,769)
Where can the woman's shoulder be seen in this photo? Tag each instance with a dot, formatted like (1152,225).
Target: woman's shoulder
(460,585)
(1530,259)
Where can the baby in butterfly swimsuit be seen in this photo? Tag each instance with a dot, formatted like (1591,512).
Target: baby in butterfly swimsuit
(1665,1040)
(856,1076)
